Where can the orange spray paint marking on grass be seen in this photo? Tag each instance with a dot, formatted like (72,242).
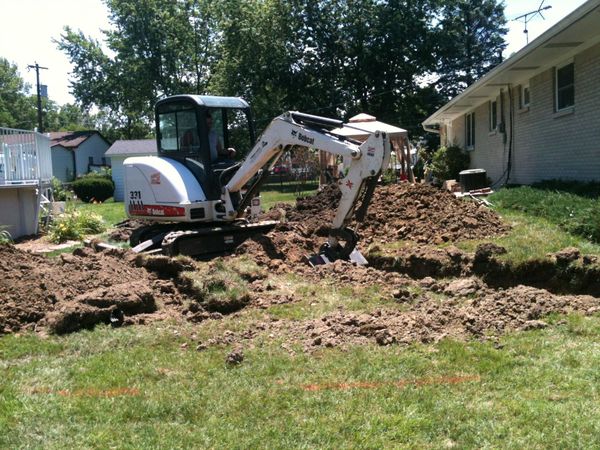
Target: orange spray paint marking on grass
(91,392)
(400,384)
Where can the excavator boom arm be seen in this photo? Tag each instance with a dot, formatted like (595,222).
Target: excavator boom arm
(366,160)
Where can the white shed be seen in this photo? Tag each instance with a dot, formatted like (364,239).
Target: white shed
(121,150)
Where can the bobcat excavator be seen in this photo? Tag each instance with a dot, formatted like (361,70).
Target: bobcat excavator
(202,203)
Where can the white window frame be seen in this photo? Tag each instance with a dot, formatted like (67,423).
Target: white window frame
(493,115)
(470,130)
(525,103)
(572,86)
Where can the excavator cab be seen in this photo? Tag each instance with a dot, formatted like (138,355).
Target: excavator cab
(198,130)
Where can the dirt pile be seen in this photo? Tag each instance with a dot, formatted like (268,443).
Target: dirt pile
(419,212)
(460,309)
(416,212)
(75,290)
(427,214)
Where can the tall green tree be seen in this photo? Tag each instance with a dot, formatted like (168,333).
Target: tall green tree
(16,109)
(470,41)
(155,48)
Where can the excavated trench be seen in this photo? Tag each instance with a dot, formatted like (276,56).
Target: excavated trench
(481,294)
(565,272)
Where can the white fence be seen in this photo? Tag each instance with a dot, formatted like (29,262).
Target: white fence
(25,157)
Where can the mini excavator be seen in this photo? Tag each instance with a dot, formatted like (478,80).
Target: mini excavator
(203,203)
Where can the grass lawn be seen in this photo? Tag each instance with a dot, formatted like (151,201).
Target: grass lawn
(112,212)
(138,388)
(286,192)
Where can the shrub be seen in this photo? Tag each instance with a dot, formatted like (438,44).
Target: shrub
(448,162)
(93,187)
(5,237)
(59,192)
(75,225)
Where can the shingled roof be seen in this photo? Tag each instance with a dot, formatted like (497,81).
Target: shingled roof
(72,139)
(132,147)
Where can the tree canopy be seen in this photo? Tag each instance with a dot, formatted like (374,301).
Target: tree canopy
(18,107)
(396,59)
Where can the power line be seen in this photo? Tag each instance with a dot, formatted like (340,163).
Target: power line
(37,68)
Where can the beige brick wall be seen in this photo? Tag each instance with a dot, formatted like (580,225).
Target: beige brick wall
(547,145)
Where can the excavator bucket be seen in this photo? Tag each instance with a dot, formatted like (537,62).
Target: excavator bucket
(340,245)
(356,257)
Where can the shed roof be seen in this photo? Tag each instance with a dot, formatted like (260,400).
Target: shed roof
(573,34)
(132,147)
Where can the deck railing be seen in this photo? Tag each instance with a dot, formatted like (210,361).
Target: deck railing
(25,157)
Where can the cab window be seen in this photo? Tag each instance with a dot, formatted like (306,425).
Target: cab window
(179,131)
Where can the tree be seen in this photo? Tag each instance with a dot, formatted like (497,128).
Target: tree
(159,47)
(470,41)
(16,110)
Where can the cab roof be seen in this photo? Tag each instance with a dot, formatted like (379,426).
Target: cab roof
(210,101)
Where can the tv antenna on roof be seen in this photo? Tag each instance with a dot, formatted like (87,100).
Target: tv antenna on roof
(527,17)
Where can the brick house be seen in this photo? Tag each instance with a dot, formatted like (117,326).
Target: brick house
(536,116)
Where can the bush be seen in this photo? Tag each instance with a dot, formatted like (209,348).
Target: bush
(5,237)
(448,162)
(59,192)
(93,187)
(75,225)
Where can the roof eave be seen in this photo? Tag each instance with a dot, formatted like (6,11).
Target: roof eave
(437,118)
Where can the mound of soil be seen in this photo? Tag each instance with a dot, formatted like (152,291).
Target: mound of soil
(418,212)
(427,214)
(75,290)
(469,309)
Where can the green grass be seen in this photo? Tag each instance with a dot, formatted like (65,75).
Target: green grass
(546,219)
(567,205)
(112,212)
(137,388)
(532,238)
(286,192)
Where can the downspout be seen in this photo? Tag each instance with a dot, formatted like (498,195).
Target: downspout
(74,166)
(511,136)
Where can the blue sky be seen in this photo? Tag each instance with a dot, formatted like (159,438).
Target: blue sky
(29,26)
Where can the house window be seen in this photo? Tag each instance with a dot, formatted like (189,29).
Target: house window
(91,160)
(470,130)
(565,86)
(103,161)
(524,96)
(493,109)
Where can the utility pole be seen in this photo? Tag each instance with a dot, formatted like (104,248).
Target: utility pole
(526,17)
(37,68)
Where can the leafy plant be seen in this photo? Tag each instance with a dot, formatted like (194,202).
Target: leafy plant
(74,225)
(94,187)
(447,162)
(5,237)
(59,192)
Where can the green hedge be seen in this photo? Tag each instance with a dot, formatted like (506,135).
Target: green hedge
(448,162)
(93,188)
